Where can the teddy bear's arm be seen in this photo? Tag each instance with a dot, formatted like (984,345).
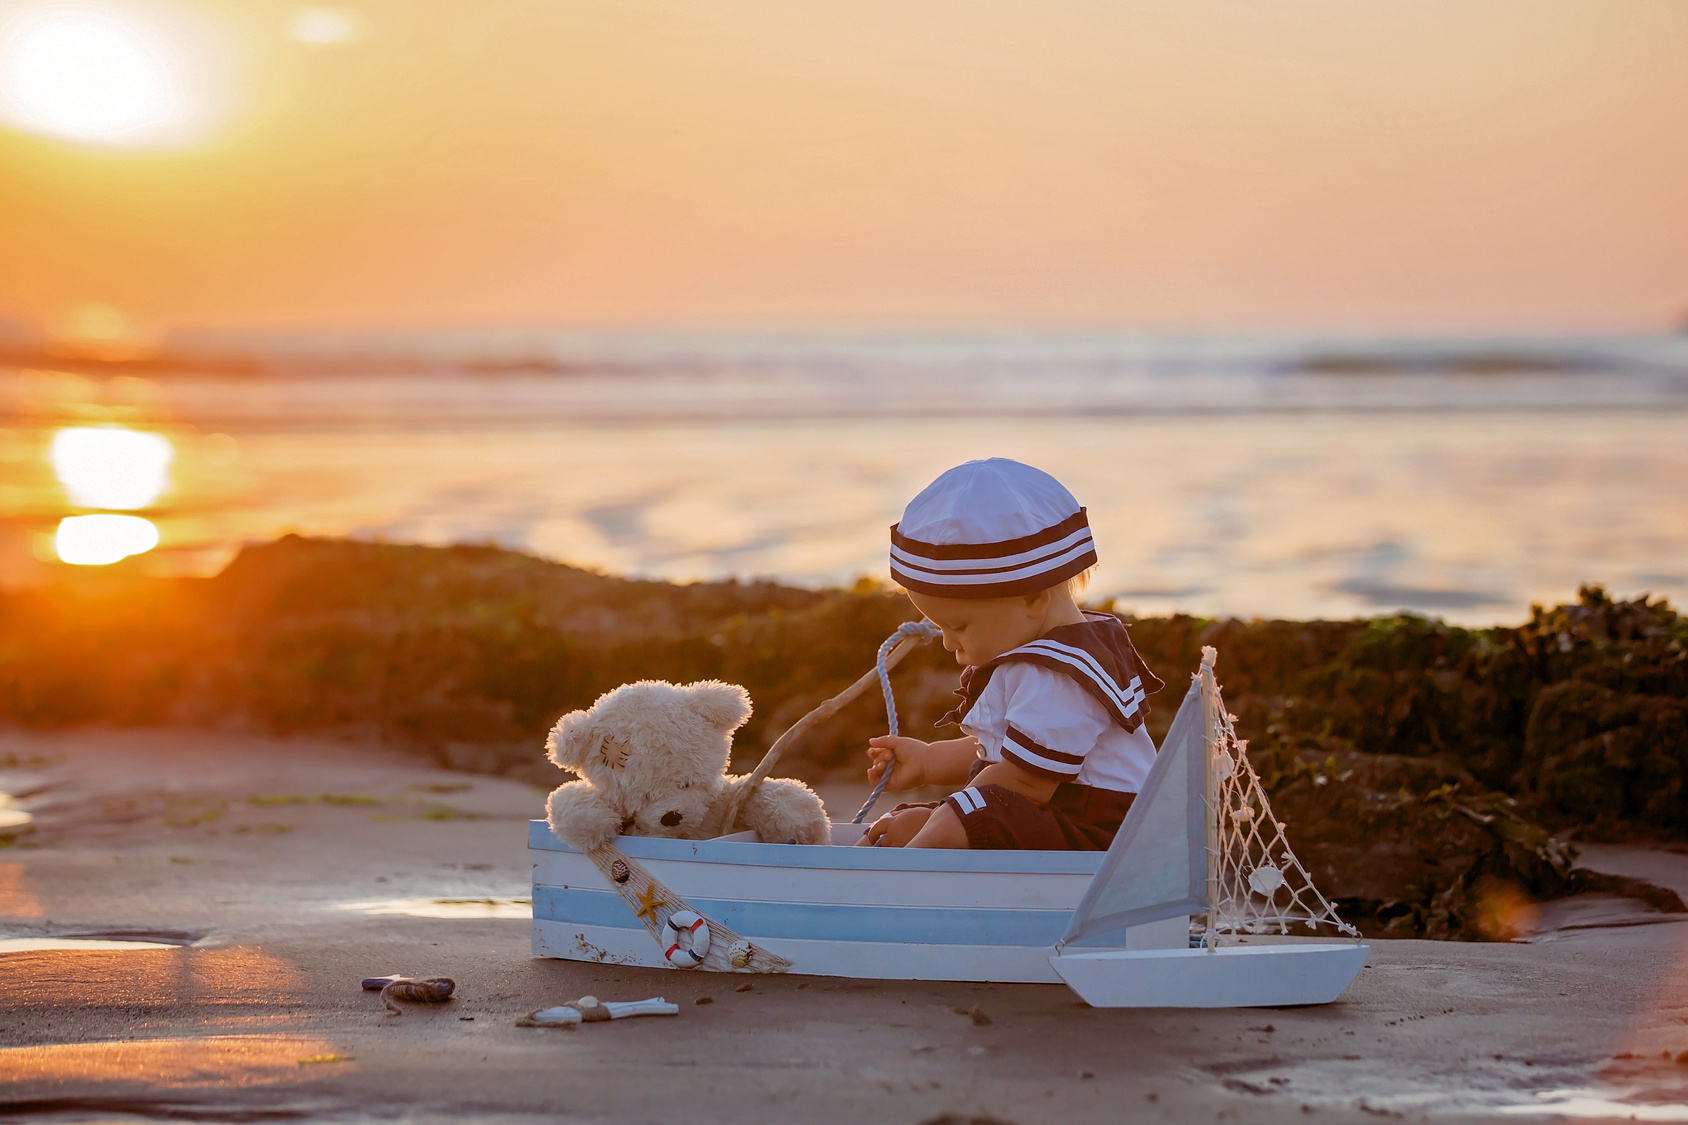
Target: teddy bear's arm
(579,815)
(782,811)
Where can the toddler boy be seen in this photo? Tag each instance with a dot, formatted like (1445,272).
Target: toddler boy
(1053,748)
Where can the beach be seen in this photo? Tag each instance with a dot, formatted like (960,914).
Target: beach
(383,385)
(281,872)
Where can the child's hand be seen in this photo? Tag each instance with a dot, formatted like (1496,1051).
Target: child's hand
(909,754)
(895,829)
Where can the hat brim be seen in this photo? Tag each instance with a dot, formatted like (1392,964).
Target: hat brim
(1004,569)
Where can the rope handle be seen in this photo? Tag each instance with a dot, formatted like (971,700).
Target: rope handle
(908,635)
(921,632)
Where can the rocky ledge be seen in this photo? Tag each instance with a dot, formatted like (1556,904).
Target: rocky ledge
(1434,778)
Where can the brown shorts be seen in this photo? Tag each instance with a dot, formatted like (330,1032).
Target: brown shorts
(1076,818)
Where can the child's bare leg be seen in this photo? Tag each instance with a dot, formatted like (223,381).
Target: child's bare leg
(942,830)
(894,830)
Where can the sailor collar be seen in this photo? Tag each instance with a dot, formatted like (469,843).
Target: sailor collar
(1096,653)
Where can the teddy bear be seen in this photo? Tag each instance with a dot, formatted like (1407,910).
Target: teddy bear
(652,759)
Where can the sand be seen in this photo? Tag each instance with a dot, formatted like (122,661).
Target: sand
(228,843)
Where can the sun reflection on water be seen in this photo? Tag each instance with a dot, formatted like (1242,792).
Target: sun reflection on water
(111,466)
(108,467)
(101,540)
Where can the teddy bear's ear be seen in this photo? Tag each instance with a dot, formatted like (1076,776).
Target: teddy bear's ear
(724,706)
(571,740)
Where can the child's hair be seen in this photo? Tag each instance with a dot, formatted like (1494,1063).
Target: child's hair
(1074,586)
(1080,582)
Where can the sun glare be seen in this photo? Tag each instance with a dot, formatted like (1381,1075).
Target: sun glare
(326,27)
(111,467)
(103,539)
(89,73)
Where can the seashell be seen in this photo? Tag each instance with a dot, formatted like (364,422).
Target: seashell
(586,1002)
(1223,765)
(1265,879)
(739,954)
(619,872)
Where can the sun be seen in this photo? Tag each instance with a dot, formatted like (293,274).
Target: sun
(91,73)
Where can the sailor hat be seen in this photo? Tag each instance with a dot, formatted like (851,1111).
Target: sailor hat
(990,529)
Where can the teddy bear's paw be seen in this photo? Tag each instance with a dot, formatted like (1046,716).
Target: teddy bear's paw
(787,811)
(579,816)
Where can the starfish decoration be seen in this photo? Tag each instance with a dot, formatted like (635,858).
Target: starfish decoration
(648,902)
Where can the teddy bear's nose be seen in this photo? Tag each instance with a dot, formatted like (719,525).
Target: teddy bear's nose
(671,818)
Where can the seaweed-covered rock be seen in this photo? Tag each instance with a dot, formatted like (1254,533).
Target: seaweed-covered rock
(467,653)
(1581,714)
(1412,846)
(1455,761)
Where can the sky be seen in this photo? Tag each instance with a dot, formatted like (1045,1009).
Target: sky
(1155,165)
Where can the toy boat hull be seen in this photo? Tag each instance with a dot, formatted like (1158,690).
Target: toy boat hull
(1120,918)
(1231,976)
(879,913)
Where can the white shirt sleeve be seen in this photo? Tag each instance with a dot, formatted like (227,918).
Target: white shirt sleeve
(1040,720)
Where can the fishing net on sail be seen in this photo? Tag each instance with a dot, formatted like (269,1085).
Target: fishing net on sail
(1256,885)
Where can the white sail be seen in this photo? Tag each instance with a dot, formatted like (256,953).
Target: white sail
(1157,865)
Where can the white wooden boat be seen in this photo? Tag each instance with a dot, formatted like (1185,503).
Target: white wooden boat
(1115,926)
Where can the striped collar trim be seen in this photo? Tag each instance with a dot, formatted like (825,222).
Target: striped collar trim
(1125,700)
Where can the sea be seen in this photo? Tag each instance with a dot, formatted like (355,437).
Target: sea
(1254,476)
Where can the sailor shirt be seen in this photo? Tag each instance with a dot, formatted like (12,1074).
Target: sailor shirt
(1048,724)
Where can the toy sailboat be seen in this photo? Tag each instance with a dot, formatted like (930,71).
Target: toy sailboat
(1116,926)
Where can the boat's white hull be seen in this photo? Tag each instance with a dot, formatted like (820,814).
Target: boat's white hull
(897,914)
(872,960)
(880,913)
(1235,976)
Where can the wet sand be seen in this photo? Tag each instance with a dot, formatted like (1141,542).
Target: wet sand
(263,867)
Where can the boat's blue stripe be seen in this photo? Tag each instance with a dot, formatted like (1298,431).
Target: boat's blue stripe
(826,922)
(742,854)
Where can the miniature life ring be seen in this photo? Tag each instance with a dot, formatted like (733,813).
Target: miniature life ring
(684,956)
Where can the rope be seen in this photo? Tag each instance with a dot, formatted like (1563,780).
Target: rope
(921,631)
(1256,884)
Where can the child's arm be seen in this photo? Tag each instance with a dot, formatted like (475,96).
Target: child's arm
(921,763)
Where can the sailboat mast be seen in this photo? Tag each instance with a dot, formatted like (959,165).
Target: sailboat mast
(1210,746)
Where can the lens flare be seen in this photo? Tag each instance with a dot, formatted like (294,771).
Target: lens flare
(103,539)
(110,466)
(88,74)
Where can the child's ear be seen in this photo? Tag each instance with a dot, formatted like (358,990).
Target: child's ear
(571,740)
(723,706)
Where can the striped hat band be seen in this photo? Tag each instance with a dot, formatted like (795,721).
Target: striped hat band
(1002,569)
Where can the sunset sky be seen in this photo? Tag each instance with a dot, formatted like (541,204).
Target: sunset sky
(870,164)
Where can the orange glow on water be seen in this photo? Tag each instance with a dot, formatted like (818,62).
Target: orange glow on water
(224,1060)
(17,897)
(236,977)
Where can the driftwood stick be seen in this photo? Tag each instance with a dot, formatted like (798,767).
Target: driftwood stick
(796,732)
